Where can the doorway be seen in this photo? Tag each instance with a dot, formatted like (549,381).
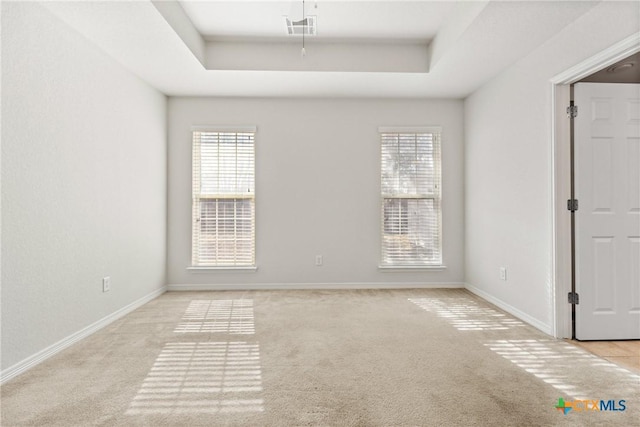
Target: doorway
(564,271)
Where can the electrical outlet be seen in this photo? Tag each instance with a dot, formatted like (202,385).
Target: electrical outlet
(503,273)
(318,260)
(106,284)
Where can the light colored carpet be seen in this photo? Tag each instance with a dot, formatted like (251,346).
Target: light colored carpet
(326,358)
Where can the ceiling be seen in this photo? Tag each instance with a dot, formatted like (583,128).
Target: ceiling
(389,20)
(415,49)
(626,70)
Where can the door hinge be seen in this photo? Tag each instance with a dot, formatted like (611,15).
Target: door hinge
(572,111)
(574,298)
(572,205)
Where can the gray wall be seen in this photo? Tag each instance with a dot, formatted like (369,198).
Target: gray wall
(509,166)
(317,188)
(83,183)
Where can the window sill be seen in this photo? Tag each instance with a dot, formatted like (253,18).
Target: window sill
(394,268)
(205,269)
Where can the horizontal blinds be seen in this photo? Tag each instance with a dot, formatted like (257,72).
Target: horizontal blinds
(411,211)
(223,198)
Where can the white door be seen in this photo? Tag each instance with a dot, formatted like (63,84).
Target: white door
(607,186)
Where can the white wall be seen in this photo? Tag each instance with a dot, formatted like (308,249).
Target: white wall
(508,166)
(317,188)
(83,183)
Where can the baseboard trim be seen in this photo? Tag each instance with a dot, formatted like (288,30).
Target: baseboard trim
(303,286)
(547,329)
(57,347)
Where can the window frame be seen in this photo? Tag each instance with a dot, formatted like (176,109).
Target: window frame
(198,195)
(436,196)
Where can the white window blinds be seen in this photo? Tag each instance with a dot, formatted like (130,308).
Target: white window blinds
(223,198)
(411,216)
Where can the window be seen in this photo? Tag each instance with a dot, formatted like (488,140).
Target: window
(223,227)
(411,216)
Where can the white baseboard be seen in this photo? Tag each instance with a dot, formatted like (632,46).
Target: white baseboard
(301,286)
(547,329)
(57,347)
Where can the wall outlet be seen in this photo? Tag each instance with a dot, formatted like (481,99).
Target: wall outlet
(106,284)
(318,260)
(503,273)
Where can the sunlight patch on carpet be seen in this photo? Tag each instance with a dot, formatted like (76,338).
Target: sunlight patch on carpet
(562,365)
(202,377)
(233,317)
(466,314)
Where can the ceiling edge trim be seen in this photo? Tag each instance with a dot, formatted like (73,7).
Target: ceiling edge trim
(611,55)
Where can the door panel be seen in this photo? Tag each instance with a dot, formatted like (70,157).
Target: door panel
(607,186)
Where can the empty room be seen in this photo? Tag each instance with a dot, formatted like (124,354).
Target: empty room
(320,213)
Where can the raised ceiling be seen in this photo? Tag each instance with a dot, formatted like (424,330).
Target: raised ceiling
(363,48)
(390,20)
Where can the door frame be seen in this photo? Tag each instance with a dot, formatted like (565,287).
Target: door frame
(561,174)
